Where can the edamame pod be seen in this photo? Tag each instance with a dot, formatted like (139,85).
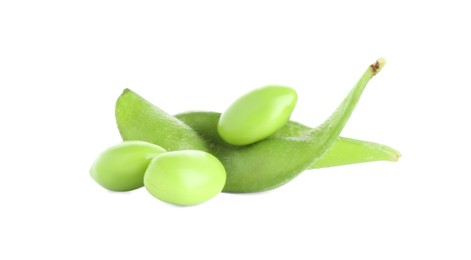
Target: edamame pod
(344,150)
(137,119)
(271,162)
(281,157)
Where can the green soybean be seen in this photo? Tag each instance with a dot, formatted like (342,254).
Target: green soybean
(257,114)
(122,167)
(185,177)
(273,161)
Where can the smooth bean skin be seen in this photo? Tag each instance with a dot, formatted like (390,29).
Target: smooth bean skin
(122,167)
(185,178)
(257,115)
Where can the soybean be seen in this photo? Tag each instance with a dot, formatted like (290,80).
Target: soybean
(257,115)
(185,178)
(122,167)
(204,124)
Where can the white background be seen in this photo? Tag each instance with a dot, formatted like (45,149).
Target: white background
(64,63)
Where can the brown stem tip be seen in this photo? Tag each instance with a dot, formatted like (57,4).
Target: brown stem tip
(378,65)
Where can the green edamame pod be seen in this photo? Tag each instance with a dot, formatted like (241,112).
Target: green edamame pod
(137,119)
(281,157)
(344,151)
(276,160)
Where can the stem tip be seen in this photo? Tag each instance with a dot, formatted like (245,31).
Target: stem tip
(378,65)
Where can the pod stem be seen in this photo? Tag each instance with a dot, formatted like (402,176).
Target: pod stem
(377,66)
(325,135)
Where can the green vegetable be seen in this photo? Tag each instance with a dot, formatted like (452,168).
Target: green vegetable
(261,166)
(257,115)
(140,120)
(343,151)
(122,167)
(185,177)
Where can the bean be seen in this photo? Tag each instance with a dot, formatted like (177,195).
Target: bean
(122,167)
(271,162)
(185,178)
(257,115)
